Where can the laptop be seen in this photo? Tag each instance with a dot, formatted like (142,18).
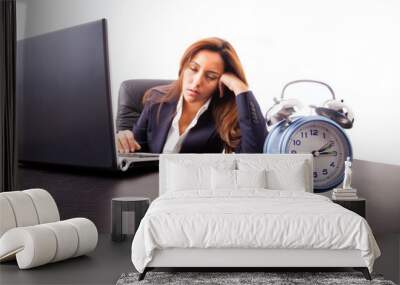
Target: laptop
(64,105)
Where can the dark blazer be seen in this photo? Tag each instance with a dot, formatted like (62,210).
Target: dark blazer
(151,133)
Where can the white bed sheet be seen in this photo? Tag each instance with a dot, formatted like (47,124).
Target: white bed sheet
(252,218)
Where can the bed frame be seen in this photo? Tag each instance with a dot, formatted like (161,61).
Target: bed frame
(242,259)
(246,258)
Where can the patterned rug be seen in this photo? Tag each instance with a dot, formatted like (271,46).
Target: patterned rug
(270,278)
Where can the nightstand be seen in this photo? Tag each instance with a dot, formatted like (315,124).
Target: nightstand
(126,214)
(356,205)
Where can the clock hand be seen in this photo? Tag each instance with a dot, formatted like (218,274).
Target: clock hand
(326,146)
(316,153)
(333,153)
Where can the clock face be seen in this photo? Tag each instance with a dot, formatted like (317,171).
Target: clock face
(329,148)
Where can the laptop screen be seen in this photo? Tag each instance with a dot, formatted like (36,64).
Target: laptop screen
(64,113)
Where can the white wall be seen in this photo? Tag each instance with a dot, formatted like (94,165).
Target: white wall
(352,45)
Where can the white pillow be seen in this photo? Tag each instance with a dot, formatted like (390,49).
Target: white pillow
(223,179)
(292,179)
(282,173)
(189,176)
(183,177)
(251,178)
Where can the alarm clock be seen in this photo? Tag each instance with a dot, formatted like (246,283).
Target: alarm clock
(319,135)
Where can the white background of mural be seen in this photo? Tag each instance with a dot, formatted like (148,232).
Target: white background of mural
(352,45)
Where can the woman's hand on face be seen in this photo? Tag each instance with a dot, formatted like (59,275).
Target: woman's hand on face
(234,84)
(126,142)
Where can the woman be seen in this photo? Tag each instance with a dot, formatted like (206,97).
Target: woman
(208,109)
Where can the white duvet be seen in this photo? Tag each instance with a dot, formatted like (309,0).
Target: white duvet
(252,218)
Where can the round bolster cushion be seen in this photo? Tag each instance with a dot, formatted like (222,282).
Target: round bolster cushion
(26,208)
(7,218)
(40,244)
(45,206)
(23,209)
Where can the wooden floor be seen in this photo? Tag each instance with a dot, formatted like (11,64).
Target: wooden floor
(88,193)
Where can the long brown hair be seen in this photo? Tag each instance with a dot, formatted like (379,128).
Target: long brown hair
(224,108)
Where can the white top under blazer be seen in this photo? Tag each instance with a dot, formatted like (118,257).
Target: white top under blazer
(174,141)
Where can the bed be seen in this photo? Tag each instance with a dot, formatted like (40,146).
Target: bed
(247,210)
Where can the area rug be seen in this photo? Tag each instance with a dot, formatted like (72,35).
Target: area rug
(269,278)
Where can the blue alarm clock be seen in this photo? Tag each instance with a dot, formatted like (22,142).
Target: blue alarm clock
(322,135)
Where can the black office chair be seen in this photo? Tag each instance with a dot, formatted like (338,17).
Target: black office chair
(130,103)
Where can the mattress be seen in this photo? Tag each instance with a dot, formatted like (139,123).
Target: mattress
(251,219)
